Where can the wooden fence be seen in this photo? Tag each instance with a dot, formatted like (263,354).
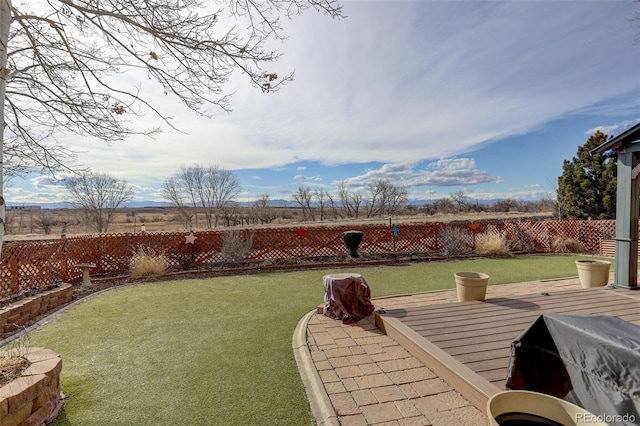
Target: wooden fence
(38,263)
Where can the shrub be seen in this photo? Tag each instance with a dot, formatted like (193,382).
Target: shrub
(455,240)
(521,241)
(146,262)
(563,244)
(492,244)
(235,246)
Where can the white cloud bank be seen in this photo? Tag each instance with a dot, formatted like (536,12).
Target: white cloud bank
(402,83)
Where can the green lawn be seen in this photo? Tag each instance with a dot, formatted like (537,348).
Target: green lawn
(217,351)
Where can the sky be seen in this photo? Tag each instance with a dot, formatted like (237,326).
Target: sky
(439,96)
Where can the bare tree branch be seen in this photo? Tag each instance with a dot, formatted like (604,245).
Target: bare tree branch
(64,57)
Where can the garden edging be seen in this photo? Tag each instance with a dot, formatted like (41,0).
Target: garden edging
(35,397)
(20,312)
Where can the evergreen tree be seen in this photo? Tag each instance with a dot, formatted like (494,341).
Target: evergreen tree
(587,186)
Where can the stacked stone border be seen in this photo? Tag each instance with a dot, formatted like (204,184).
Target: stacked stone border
(35,397)
(20,312)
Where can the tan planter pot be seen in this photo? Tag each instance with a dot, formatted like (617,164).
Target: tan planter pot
(471,285)
(593,273)
(511,408)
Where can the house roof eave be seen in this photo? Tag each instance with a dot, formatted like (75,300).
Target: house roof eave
(627,137)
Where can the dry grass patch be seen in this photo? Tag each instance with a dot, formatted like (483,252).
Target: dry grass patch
(492,244)
(11,367)
(564,244)
(147,262)
(13,360)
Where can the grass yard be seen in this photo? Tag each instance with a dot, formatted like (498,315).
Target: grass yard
(217,351)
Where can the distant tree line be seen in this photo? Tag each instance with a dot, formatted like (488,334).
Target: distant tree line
(207,197)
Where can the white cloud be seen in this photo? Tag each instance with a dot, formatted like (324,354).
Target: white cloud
(613,129)
(420,91)
(443,172)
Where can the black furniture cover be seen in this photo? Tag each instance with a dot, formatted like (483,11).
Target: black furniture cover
(592,361)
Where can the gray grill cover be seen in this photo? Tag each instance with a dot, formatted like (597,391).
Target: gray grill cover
(590,360)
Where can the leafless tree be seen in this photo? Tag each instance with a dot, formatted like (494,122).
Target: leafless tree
(505,205)
(59,59)
(97,196)
(376,197)
(230,213)
(45,221)
(385,198)
(262,210)
(321,197)
(212,189)
(304,198)
(397,199)
(443,205)
(224,186)
(459,199)
(351,201)
(175,194)
(335,211)
(191,180)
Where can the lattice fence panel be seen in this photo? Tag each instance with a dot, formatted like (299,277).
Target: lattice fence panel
(417,238)
(276,244)
(321,242)
(24,264)
(592,232)
(377,240)
(535,236)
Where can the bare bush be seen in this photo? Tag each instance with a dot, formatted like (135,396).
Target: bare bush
(235,246)
(147,262)
(455,240)
(521,241)
(492,244)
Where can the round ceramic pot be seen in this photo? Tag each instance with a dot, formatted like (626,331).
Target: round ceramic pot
(593,273)
(471,285)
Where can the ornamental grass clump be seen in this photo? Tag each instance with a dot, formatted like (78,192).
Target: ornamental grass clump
(147,262)
(492,244)
(564,244)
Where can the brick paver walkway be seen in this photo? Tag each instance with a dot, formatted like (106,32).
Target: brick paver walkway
(372,380)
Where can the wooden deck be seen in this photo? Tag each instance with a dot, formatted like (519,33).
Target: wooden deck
(468,344)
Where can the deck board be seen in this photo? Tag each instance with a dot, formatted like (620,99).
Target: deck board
(471,341)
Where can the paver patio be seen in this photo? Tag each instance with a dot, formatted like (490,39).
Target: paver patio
(370,379)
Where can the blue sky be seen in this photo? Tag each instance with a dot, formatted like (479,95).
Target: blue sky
(441,96)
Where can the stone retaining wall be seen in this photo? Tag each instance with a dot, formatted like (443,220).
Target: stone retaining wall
(22,311)
(34,398)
